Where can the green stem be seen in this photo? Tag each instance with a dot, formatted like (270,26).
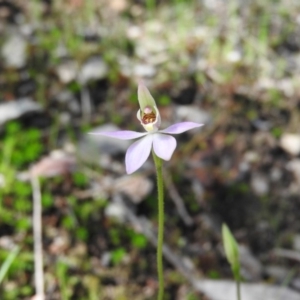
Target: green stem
(160,238)
(237,276)
(238,289)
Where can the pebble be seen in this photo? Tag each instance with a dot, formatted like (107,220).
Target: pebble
(94,68)
(226,289)
(136,187)
(14,51)
(290,143)
(296,242)
(259,184)
(193,114)
(115,211)
(67,71)
(294,167)
(14,109)
(251,265)
(144,70)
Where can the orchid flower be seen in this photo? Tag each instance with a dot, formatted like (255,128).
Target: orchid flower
(161,141)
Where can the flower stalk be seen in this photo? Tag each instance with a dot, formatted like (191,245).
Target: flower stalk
(161,216)
(162,144)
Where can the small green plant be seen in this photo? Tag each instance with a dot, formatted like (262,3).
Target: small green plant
(15,145)
(117,255)
(7,263)
(232,255)
(138,240)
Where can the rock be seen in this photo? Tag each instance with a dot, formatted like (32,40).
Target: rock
(290,143)
(264,139)
(67,71)
(115,211)
(94,68)
(118,5)
(57,163)
(27,29)
(105,259)
(193,114)
(276,174)
(296,283)
(66,98)
(286,86)
(136,187)
(7,243)
(251,157)
(14,51)
(144,70)
(212,4)
(296,242)
(252,268)
(261,124)
(134,32)
(226,290)
(276,272)
(259,184)
(14,109)
(234,56)
(294,167)
(60,242)
(61,51)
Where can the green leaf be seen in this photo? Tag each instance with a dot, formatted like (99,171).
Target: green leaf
(231,250)
(117,255)
(8,261)
(139,241)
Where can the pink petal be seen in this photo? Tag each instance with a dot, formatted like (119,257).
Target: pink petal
(180,127)
(121,135)
(164,145)
(138,153)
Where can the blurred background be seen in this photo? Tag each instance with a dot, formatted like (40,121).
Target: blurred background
(70,67)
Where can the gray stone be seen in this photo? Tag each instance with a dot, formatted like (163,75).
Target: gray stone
(144,70)
(259,184)
(251,266)
(136,187)
(94,68)
(192,113)
(290,143)
(115,211)
(226,290)
(67,71)
(296,242)
(14,109)
(14,51)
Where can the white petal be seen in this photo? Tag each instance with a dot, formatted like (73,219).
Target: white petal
(138,153)
(180,127)
(121,135)
(164,145)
